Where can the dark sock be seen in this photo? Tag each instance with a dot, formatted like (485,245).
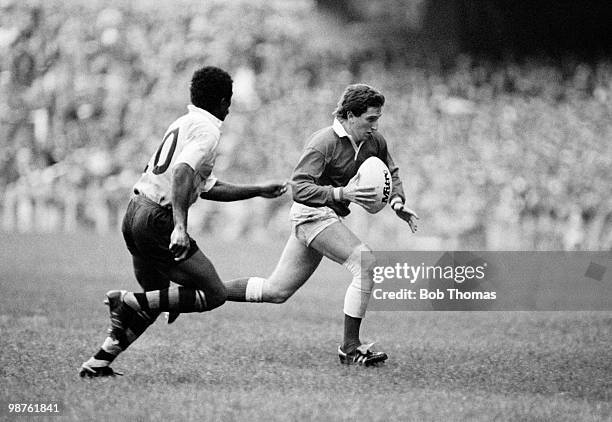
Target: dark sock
(351,334)
(236,289)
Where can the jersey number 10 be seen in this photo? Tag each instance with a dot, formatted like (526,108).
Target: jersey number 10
(157,169)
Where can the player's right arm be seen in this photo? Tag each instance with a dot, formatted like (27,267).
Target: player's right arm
(182,185)
(307,191)
(227,192)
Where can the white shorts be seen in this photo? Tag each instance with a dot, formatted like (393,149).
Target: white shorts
(308,222)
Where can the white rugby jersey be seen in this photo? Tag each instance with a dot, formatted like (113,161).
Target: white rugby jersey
(191,139)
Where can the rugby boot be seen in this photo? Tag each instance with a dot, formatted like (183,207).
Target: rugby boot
(93,372)
(363,355)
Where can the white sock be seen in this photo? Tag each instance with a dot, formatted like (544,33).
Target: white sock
(254,289)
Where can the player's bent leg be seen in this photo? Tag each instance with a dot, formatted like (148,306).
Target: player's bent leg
(151,278)
(200,289)
(126,323)
(198,272)
(336,242)
(360,264)
(340,244)
(148,275)
(295,266)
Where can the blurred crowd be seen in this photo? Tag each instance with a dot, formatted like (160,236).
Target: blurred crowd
(501,156)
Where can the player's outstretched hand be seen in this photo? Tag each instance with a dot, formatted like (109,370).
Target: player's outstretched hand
(273,190)
(179,243)
(408,215)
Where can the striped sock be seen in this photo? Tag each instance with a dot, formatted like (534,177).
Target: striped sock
(175,298)
(111,348)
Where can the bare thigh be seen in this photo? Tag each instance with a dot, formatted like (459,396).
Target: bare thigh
(336,242)
(295,266)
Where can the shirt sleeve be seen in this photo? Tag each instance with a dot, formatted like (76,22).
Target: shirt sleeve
(199,150)
(306,188)
(208,183)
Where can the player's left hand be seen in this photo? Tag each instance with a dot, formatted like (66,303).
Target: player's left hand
(408,215)
(273,190)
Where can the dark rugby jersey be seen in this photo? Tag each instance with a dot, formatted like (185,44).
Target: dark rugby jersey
(330,160)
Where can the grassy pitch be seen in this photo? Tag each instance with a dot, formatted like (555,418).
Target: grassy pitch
(279,362)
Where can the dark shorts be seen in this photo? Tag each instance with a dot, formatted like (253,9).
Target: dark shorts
(146,228)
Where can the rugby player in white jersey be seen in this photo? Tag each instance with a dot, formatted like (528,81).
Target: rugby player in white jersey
(322,193)
(155,223)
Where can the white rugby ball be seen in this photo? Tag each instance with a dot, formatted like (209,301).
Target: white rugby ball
(373,172)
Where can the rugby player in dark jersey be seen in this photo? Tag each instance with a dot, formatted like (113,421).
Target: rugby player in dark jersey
(322,192)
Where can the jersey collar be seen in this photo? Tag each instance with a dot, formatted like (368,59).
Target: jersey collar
(206,114)
(341,132)
(339,129)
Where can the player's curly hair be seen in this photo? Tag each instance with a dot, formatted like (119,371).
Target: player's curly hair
(356,99)
(208,85)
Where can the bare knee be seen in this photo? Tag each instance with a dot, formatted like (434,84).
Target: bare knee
(361,261)
(277,295)
(368,259)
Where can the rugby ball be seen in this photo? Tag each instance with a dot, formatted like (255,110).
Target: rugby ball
(373,172)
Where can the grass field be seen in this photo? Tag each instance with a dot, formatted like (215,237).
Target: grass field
(278,362)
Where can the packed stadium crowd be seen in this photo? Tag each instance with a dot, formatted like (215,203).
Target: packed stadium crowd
(498,155)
